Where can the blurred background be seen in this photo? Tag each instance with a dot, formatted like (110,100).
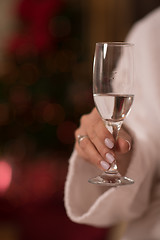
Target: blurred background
(46,54)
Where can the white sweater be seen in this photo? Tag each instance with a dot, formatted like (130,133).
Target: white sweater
(137,204)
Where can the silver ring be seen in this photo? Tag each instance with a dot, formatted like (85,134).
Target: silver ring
(80,138)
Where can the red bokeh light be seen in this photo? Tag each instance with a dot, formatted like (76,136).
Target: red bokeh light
(5,176)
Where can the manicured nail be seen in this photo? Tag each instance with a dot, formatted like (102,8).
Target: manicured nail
(110,158)
(129,145)
(109,143)
(104,165)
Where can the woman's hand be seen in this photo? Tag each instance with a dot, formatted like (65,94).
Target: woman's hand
(98,146)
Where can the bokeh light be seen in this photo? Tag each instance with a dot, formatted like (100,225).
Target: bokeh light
(47,112)
(5,176)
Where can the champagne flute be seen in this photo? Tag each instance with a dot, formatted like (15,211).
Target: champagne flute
(113,96)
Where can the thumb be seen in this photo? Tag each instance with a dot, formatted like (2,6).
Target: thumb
(123,145)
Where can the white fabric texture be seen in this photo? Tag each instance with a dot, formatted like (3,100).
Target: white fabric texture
(138,204)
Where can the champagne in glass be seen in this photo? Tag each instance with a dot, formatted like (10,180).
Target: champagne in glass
(113,96)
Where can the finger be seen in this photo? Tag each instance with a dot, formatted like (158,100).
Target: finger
(87,150)
(102,140)
(94,126)
(123,145)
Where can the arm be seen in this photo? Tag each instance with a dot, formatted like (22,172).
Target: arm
(99,206)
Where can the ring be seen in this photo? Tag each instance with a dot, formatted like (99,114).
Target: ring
(80,138)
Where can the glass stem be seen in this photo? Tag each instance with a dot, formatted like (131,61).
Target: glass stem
(116,126)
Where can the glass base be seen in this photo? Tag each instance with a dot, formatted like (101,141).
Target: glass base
(111,180)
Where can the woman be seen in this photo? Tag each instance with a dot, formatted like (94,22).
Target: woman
(137,151)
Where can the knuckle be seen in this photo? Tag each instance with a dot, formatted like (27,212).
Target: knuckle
(104,151)
(84,143)
(83,119)
(76,132)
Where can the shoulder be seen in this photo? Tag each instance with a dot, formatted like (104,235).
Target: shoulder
(149,26)
(152,18)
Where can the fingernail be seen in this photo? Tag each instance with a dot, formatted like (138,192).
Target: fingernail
(108,143)
(104,165)
(110,158)
(129,145)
